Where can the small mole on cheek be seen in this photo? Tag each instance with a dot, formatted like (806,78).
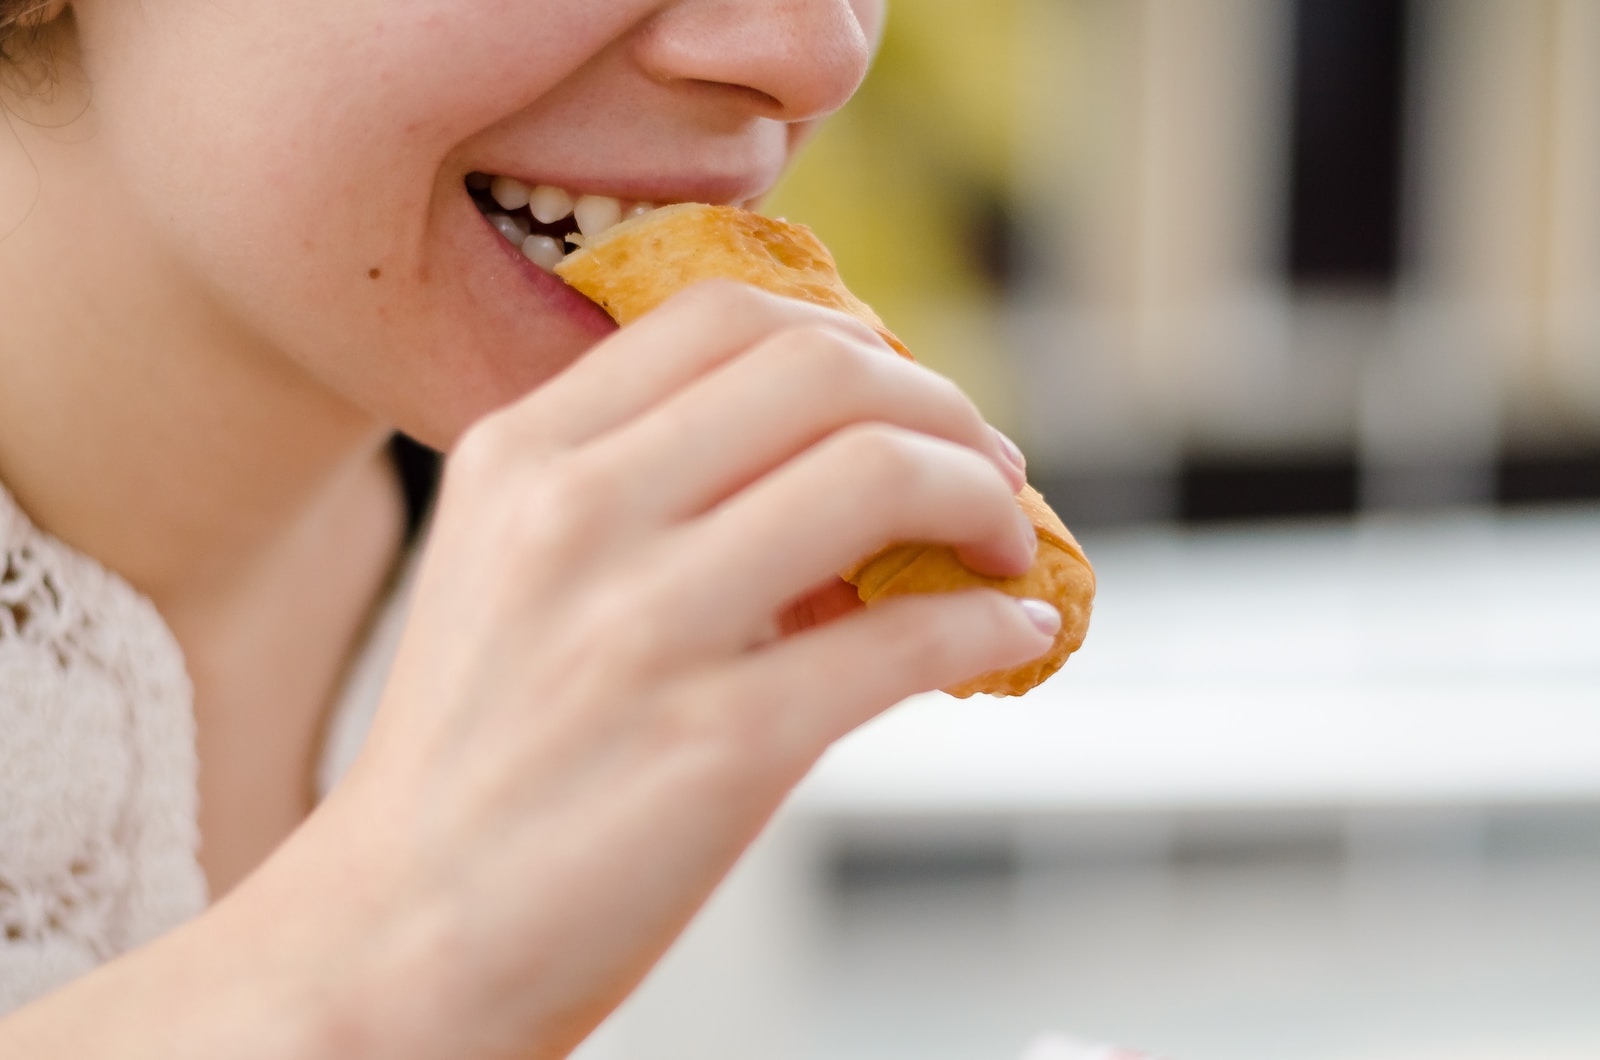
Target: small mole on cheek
(374,273)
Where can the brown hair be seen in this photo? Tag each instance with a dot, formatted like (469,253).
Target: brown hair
(20,24)
(32,35)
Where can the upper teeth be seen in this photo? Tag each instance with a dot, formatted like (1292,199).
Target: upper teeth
(512,194)
(548,205)
(596,213)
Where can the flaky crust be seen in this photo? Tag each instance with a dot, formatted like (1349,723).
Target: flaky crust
(634,267)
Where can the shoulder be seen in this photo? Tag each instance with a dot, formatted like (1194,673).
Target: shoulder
(97,765)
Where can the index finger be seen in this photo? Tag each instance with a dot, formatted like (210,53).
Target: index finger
(642,365)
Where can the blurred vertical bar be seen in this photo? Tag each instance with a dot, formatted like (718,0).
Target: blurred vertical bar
(1153,161)
(1573,330)
(1100,450)
(1468,329)
(1345,157)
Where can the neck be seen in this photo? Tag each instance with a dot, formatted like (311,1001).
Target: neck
(180,492)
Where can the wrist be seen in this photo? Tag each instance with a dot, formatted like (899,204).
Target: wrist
(361,960)
(325,968)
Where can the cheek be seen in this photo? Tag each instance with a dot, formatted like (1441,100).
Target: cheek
(281,151)
(295,98)
(245,126)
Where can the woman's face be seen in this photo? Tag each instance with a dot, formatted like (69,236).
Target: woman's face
(301,166)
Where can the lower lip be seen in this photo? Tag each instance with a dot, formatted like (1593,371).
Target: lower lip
(551,289)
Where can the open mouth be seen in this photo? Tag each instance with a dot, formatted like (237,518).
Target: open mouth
(546,222)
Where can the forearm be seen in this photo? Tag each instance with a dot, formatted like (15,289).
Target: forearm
(201,991)
(310,958)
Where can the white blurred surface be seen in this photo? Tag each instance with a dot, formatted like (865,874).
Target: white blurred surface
(1060,1047)
(1444,659)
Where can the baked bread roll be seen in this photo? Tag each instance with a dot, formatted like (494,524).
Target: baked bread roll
(633,267)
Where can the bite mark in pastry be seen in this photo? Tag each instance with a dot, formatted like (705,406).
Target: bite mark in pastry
(637,265)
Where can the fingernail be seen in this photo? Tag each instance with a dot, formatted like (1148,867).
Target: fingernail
(1014,457)
(1046,619)
(1009,447)
(1031,536)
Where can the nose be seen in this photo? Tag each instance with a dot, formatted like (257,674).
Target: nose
(795,59)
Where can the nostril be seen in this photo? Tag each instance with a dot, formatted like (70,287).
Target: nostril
(758,99)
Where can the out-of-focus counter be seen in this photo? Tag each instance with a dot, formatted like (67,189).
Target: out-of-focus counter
(1391,660)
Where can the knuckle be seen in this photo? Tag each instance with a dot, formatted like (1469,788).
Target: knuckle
(847,365)
(880,458)
(952,409)
(480,455)
(621,617)
(721,298)
(954,401)
(827,364)
(566,508)
(537,507)
(820,358)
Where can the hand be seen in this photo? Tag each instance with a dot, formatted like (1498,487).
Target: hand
(628,643)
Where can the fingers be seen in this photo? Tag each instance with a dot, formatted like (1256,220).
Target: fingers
(629,373)
(807,690)
(757,411)
(749,447)
(862,489)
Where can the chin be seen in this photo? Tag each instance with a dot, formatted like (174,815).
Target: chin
(462,386)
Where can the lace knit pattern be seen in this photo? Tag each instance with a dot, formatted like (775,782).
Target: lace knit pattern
(98,771)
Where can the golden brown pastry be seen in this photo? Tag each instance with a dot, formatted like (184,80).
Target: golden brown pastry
(1060,574)
(634,267)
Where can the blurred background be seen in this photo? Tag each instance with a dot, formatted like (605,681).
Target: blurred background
(1295,307)
(1239,258)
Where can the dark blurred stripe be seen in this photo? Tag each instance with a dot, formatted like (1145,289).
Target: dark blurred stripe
(863,867)
(1215,489)
(1347,122)
(418,469)
(1224,490)
(1541,478)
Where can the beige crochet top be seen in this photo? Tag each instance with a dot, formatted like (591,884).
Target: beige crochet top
(98,797)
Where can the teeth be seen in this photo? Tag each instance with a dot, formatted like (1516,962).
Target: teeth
(596,213)
(509,227)
(543,252)
(549,205)
(509,192)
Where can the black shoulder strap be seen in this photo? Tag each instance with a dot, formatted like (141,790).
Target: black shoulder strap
(418,468)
